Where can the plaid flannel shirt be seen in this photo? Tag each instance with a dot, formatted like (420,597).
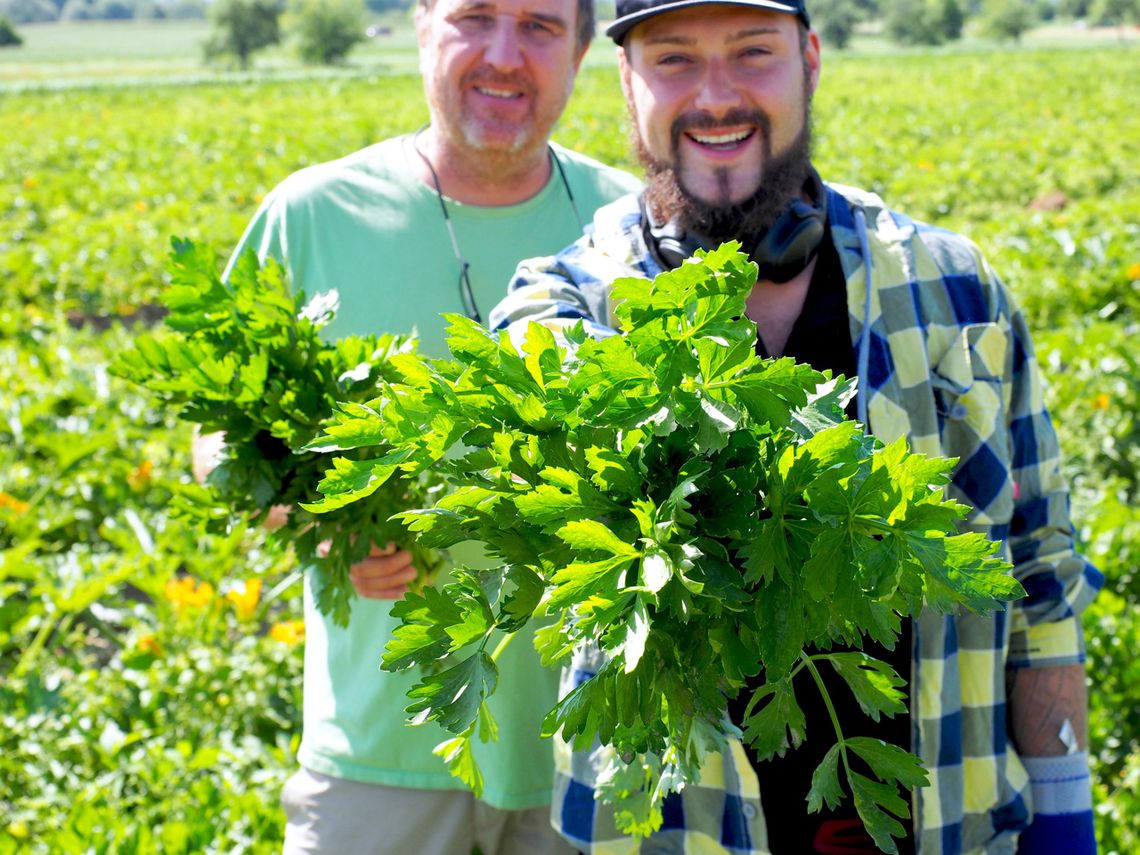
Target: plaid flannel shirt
(947,362)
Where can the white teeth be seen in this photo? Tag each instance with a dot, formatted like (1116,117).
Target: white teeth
(498,93)
(720,139)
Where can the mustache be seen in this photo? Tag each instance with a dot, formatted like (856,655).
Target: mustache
(699,120)
(492,79)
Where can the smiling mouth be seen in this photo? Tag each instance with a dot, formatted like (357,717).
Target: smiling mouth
(721,141)
(505,94)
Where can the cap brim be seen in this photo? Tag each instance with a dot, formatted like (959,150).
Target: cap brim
(618,28)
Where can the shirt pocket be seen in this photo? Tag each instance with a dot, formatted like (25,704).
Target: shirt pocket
(971,398)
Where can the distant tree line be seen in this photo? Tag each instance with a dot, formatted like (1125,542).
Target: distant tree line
(934,22)
(45,11)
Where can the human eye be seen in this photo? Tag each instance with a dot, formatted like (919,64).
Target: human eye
(756,52)
(540,31)
(473,21)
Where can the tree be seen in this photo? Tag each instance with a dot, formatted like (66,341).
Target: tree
(951,19)
(328,29)
(242,27)
(28,11)
(1073,8)
(835,20)
(1008,19)
(916,22)
(1118,12)
(8,35)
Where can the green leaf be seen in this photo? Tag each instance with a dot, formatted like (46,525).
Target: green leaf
(778,723)
(889,762)
(874,684)
(422,636)
(351,480)
(962,569)
(582,579)
(591,535)
(453,697)
(457,753)
(352,426)
(872,801)
(825,787)
(636,635)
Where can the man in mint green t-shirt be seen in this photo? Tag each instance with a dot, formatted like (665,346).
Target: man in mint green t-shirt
(407,229)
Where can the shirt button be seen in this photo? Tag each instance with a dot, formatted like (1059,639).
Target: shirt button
(749,810)
(959,411)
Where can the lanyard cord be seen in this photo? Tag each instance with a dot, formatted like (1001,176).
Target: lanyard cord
(466,291)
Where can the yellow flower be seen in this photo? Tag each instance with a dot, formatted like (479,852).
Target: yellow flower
(16,506)
(288,632)
(1134,271)
(1101,401)
(149,644)
(245,599)
(18,829)
(926,165)
(140,476)
(31,182)
(186,591)
(141,206)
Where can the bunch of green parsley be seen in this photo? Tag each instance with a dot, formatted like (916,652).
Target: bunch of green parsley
(245,357)
(699,515)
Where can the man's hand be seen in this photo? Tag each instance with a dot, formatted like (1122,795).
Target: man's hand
(383,575)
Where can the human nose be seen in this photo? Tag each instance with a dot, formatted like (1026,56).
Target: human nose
(503,48)
(717,92)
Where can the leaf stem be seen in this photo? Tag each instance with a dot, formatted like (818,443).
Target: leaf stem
(503,642)
(810,665)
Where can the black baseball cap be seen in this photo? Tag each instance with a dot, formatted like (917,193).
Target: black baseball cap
(631,12)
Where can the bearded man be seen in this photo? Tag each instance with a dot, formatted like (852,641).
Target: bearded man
(719,95)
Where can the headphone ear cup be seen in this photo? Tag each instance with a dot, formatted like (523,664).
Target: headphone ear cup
(791,243)
(672,251)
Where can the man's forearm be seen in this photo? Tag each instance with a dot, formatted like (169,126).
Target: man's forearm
(1041,701)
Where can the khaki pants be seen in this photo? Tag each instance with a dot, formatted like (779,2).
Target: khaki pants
(332,816)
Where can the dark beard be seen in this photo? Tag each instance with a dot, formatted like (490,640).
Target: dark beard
(782,180)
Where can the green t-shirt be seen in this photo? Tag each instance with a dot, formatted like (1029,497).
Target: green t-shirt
(366,226)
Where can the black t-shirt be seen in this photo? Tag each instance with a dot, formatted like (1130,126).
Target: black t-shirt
(821,337)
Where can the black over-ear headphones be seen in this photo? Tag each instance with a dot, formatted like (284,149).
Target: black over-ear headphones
(781,252)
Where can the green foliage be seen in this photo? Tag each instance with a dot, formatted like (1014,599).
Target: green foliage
(697,513)
(241,28)
(245,358)
(177,741)
(327,30)
(924,22)
(8,35)
(835,20)
(1115,12)
(28,11)
(1074,8)
(1008,19)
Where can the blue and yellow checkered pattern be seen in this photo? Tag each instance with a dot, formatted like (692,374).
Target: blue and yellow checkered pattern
(951,367)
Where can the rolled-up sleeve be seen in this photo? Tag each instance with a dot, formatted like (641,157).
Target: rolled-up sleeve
(1059,583)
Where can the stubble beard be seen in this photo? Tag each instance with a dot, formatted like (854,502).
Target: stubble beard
(484,140)
(782,179)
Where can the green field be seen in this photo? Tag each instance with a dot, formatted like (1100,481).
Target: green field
(121,692)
